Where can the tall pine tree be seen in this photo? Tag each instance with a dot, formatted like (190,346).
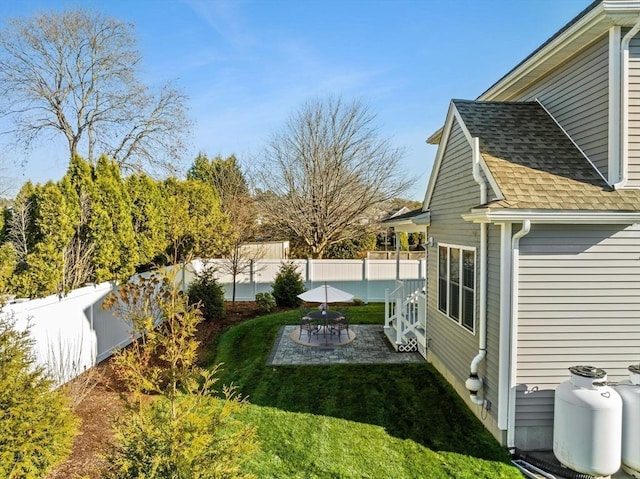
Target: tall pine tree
(148,214)
(196,226)
(53,226)
(114,245)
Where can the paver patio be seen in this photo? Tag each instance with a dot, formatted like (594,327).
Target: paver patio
(370,346)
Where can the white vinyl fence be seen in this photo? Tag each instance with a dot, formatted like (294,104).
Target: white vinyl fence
(366,279)
(73,332)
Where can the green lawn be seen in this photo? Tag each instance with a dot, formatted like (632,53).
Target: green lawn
(353,421)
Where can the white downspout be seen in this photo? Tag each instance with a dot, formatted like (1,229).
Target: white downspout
(474,382)
(504,353)
(615,104)
(624,173)
(515,262)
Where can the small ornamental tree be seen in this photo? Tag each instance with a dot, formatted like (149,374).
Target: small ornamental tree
(37,426)
(184,430)
(287,285)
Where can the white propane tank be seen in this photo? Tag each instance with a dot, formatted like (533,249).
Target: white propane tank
(630,393)
(587,423)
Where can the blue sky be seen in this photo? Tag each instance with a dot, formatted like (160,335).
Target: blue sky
(247,65)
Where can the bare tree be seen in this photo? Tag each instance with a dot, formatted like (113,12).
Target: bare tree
(74,73)
(18,225)
(7,182)
(238,260)
(77,256)
(326,171)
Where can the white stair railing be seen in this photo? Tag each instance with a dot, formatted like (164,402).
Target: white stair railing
(402,312)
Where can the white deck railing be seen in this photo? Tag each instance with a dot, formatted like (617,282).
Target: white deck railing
(405,315)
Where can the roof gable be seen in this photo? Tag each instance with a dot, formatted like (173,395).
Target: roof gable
(453,116)
(535,163)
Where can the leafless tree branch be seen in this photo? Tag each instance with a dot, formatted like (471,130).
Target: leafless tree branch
(18,226)
(74,74)
(327,170)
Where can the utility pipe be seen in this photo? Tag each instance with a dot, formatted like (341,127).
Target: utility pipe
(474,382)
(626,40)
(515,260)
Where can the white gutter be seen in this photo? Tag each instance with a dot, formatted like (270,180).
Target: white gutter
(624,173)
(505,325)
(474,383)
(515,260)
(553,216)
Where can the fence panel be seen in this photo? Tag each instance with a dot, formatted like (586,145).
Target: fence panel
(71,333)
(336,270)
(366,279)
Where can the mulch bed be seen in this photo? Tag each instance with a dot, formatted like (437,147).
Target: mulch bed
(103,403)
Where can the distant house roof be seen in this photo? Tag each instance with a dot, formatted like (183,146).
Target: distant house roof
(399,212)
(409,220)
(535,164)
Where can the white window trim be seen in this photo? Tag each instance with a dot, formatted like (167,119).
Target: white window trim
(475,284)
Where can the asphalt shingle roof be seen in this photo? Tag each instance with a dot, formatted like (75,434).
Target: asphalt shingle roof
(535,164)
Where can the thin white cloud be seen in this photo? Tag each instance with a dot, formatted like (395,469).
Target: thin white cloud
(225,18)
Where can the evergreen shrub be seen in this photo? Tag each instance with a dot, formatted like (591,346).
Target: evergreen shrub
(265,302)
(206,291)
(189,428)
(207,441)
(37,426)
(288,285)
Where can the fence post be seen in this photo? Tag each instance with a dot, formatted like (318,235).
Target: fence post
(252,278)
(386,306)
(365,279)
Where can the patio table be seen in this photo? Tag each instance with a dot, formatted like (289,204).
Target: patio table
(325,316)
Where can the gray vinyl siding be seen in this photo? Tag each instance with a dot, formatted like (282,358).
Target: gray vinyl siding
(634,113)
(576,94)
(455,192)
(579,303)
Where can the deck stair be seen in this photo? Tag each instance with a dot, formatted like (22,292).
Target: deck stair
(405,316)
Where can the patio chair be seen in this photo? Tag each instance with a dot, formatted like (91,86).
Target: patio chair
(308,325)
(340,325)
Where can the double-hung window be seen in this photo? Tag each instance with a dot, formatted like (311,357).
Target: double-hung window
(457,284)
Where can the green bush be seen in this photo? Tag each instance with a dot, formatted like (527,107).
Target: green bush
(288,285)
(206,291)
(37,426)
(265,302)
(182,431)
(195,435)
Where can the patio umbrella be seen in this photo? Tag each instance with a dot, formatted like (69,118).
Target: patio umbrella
(325,294)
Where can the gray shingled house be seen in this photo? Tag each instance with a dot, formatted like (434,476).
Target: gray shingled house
(532,215)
